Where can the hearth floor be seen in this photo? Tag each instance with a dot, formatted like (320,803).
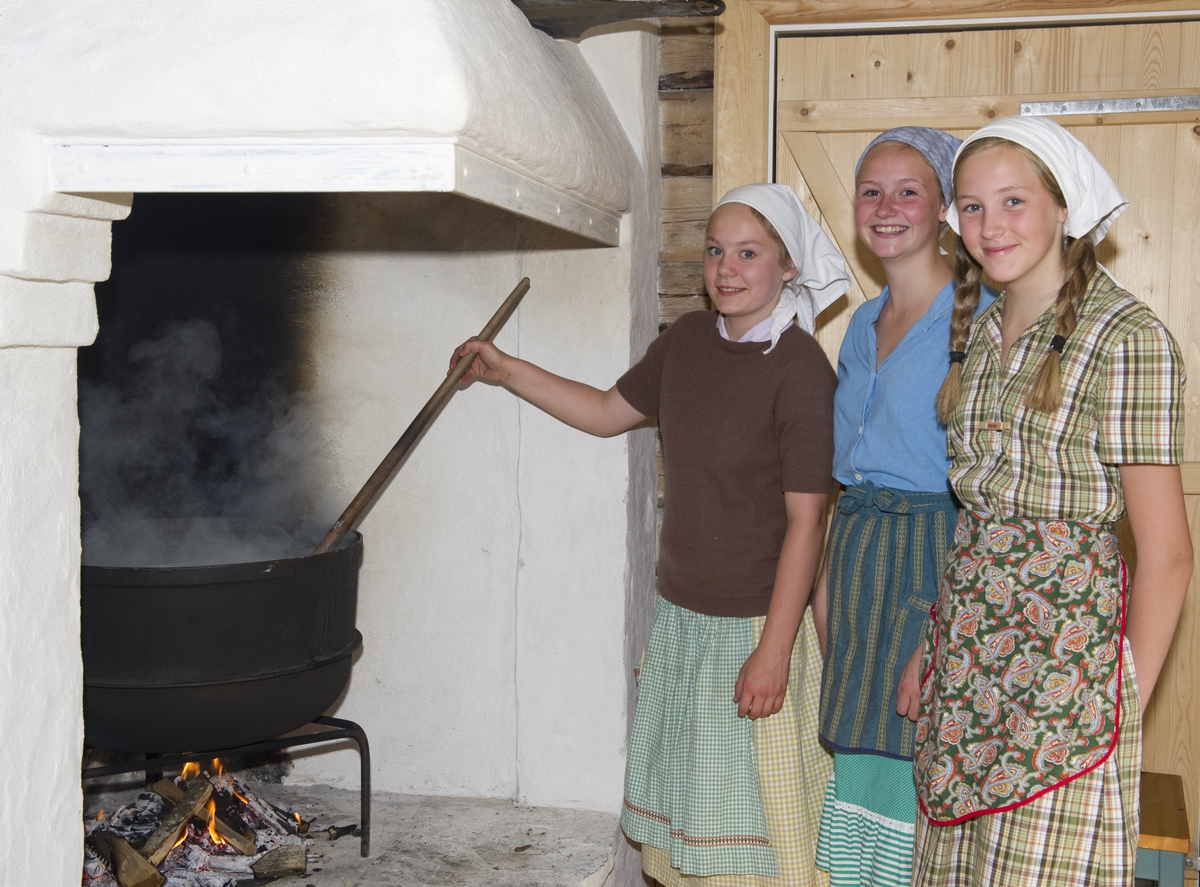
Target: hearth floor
(421,841)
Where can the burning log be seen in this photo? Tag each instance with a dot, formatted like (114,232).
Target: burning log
(163,838)
(130,867)
(278,819)
(242,843)
(290,859)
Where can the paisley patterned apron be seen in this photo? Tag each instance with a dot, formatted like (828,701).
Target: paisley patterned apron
(1021,679)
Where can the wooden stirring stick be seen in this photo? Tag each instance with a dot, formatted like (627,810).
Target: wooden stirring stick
(360,503)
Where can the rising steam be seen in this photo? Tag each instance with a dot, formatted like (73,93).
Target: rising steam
(171,473)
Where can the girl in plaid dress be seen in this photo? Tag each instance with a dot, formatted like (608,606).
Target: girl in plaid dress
(1065,414)
(723,774)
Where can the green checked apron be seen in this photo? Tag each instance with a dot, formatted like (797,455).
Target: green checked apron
(691,779)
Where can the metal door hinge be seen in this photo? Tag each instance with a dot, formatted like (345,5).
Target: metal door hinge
(1112,106)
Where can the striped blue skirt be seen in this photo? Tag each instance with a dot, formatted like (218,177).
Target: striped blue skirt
(885,560)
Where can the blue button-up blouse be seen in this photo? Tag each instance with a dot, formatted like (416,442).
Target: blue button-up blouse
(885,426)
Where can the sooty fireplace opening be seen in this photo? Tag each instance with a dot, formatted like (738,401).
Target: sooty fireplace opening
(190,397)
(194,396)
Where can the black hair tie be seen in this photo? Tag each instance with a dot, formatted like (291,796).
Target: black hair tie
(1057,343)
(958,357)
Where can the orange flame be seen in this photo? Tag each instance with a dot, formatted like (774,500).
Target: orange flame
(218,768)
(100,816)
(182,838)
(190,769)
(299,821)
(212,822)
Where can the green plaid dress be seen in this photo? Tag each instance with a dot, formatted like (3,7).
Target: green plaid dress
(1122,381)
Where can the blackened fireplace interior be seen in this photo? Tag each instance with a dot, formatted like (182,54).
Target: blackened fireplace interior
(198,361)
(192,407)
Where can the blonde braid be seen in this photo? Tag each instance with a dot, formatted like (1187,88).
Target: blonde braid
(967,276)
(1080,262)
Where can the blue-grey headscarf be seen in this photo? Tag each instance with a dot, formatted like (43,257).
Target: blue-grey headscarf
(935,146)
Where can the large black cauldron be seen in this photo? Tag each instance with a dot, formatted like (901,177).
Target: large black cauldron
(202,658)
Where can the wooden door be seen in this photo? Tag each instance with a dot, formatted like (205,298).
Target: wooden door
(835,93)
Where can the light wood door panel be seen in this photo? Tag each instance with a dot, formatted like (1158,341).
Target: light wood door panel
(835,93)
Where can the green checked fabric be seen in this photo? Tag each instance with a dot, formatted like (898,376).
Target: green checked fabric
(691,779)
(793,768)
(1122,382)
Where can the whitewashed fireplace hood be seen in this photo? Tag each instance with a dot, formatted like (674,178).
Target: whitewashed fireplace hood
(303,96)
(101,101)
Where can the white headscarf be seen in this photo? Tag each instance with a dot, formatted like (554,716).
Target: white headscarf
(1093,199)
(823,276)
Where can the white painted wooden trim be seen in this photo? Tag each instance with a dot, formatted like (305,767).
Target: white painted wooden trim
(405,165)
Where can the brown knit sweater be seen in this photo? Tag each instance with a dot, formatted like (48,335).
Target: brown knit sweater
(739,428)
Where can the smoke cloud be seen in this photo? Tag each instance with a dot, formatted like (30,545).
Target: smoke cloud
(172,473)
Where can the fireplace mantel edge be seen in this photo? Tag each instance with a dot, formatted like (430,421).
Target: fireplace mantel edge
(229,166)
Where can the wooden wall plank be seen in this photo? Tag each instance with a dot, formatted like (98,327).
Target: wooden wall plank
(686,107)
(1155,49)
(1137,248)
(742,82)
(1190,472)
(682,242)
(685,50)
(821,12)
(1189,59)
(965,63)
(674,307)
(687,147)
(856,115)
(686,198)
(681,279)
(1096,59)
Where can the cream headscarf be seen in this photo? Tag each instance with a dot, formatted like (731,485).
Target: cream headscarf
(1093,199)
(823,276)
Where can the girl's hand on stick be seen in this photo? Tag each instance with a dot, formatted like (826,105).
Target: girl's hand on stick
(491,364)
(762,683)
(908,694)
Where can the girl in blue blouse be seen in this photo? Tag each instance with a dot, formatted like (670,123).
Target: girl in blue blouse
(894,521)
